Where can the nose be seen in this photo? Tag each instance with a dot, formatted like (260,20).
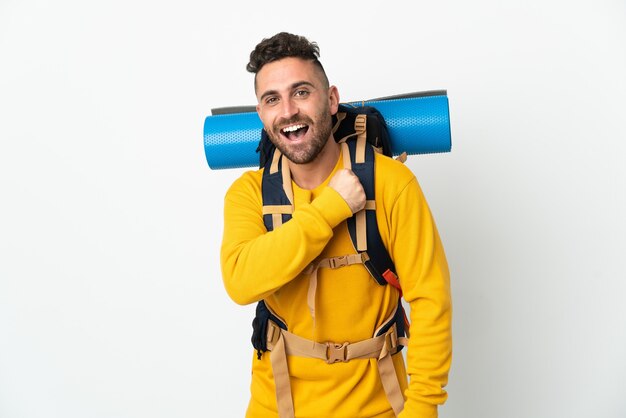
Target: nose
(289,109)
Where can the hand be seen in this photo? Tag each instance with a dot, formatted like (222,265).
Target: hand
(347,184)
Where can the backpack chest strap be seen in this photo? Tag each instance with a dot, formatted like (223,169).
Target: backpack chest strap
(337,262)
(333,263)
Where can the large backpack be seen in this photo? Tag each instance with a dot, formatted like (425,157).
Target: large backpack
(350,125)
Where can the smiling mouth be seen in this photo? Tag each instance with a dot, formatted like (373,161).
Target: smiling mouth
(294,132)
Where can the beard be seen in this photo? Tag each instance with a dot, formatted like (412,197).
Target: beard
(304,152)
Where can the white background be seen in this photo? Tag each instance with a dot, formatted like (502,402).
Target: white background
(111,300)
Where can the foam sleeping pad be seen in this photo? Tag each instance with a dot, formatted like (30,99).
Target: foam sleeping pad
(418,123)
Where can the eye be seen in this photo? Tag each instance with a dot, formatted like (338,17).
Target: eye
(301,93)
(270,100)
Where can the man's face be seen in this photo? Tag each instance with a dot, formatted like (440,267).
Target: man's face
(295,106)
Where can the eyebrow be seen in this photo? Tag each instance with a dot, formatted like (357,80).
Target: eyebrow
(292,87)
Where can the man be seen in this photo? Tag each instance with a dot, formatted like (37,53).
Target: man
(295,104)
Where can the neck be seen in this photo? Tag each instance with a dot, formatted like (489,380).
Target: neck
(309,176)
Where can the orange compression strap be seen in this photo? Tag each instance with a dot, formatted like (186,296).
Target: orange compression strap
(392,279)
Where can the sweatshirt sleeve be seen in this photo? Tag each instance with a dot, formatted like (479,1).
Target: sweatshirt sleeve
(423,272)
(255,263)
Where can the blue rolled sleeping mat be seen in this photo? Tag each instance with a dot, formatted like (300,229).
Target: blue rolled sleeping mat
(418,123)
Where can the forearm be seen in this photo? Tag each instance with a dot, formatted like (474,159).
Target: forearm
(256,263)
(425,280)
(429,352)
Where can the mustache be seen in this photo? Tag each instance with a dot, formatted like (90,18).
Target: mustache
(293,121)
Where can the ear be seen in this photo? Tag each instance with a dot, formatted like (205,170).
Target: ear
(333,99)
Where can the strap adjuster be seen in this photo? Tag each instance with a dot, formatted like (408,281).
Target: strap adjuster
(336,352)
(360,124)
(273,332)
(391,339)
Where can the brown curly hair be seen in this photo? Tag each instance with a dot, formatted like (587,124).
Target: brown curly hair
(283,45)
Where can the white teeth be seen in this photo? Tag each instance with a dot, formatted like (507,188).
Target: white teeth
(293,128)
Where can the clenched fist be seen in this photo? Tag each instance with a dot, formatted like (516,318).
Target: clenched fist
(347,184)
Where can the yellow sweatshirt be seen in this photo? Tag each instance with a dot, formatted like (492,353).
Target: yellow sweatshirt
(350,305)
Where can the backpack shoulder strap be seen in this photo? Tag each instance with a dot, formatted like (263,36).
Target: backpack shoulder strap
(276,190)
(363,226)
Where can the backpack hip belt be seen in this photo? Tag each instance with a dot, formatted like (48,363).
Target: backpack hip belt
(282,343)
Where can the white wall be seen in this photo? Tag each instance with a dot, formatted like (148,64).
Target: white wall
(111,301)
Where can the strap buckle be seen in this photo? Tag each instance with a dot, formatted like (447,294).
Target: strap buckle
(336,352)
(337,262)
